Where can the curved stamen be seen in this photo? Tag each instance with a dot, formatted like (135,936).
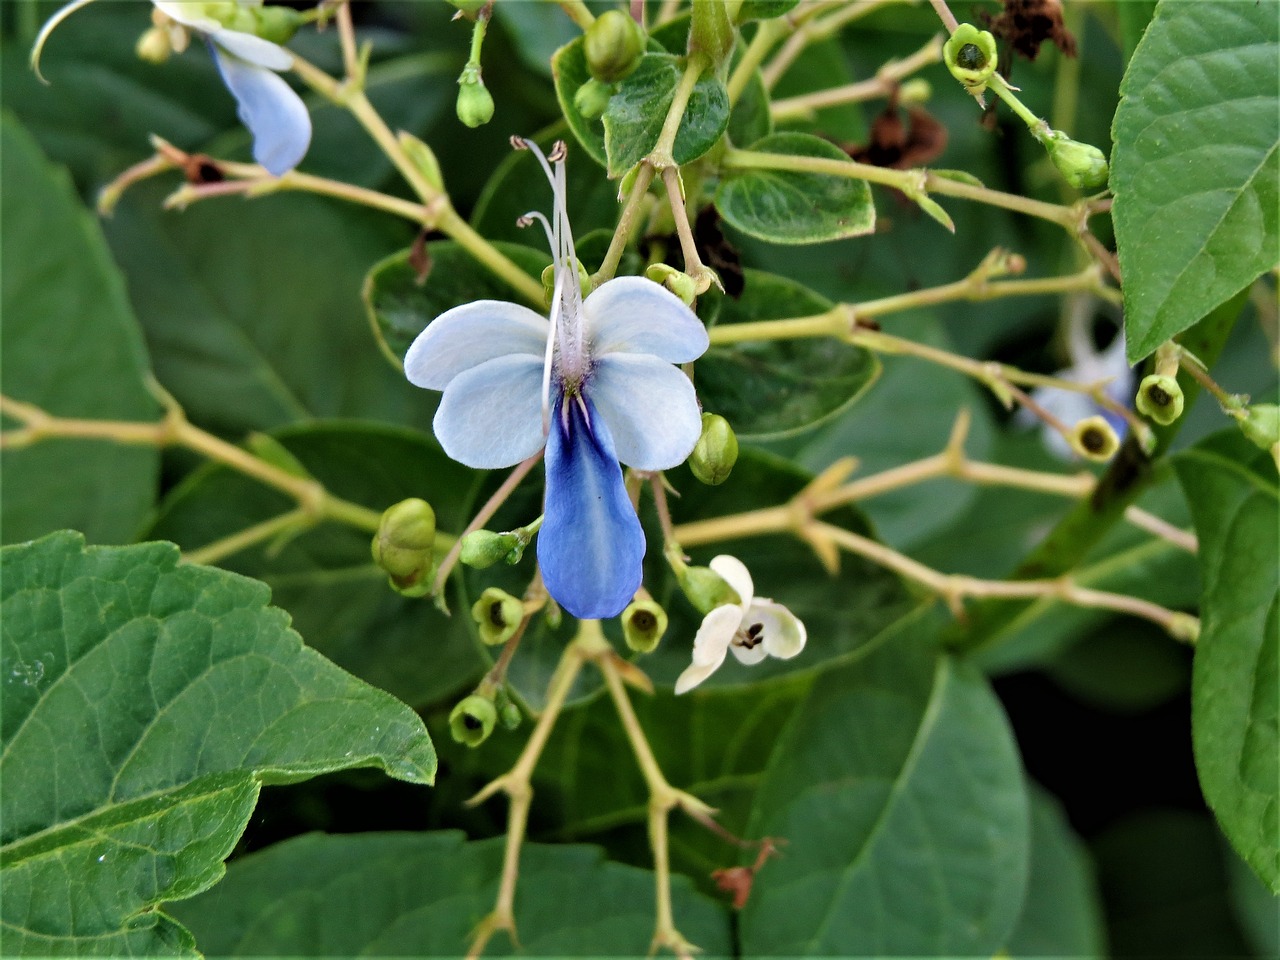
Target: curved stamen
(50,25)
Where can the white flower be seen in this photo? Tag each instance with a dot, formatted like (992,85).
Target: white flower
(1088,366)
(754,629)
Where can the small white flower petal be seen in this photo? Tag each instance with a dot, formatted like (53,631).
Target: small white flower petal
(635,315)
(710,646)
(269,107)
(251,49)
(782,631)
(651,409)
(735,573)
(180,12)
(749,656)
(692,676)
(470,335)
(491,415)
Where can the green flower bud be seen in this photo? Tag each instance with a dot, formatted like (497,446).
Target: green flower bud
(549,281)
(1261,424)
(970,55)
(614,44)
(592,97)
(681,284)
(1160,398)
(716,451)
(475,103)
(915,90)
(710,30)
(473,720)
(509,714)
(498,615)
(484,548)
(277,24)
(404,545)
(705,588)
(1094,439)
(643,624)
(154,46)
(422,157)
(1081,164)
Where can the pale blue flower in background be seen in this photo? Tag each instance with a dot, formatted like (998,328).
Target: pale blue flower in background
(266,104)
(1088,365)
(594,383)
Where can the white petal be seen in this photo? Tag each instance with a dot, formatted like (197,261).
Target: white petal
(181,13)
(735,573)
(251,49)
(710,646)
(749,655)
(784,633)
(1067,405)
(269,107)
(651,409)
(491,415)
(469,335)
(635,315)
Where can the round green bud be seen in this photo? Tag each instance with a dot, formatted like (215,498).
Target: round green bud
(643,624)
(716,451)
(1160,398)
(422,157)
(681,284)
(1261,424)
(971,56)
(154,46)
(473,720)
(705,588)
(404,545)
(592,97)
(915,90)
(614,44)
(509,714)
(498,615)
(277,24)
(549,281)
(475,103)
(1082,165)
(1094,439)
(484,548)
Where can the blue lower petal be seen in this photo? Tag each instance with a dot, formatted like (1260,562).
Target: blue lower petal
(270,108)
(590,547)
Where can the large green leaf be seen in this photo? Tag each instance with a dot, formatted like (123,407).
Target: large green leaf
(783,206)
(898,788)
(402,297)
(1231,487)
(144,705)
(1061,913)
(420,894)
(639,107)
(325,578)
(252,309)
(1196,164)
(768,389)
(71,346)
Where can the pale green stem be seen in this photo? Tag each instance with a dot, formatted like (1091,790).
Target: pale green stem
(881,85)
(812,30)
(626,223)
(578,12)
(661,155)
(768,32)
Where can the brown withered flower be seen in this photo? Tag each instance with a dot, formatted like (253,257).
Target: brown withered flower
(1026,24)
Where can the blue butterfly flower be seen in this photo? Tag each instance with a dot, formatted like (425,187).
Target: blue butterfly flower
(594,383)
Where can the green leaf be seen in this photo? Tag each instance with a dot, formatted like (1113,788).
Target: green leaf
(764,9)
(420,894)
(782,206)
(252,309)
(774,388)
(898,788)
(401,299)
(569,70)
(73,348)
(638,109)
(1232,489)
(1061,913)
(1196,164)
(144,705)
(325,578)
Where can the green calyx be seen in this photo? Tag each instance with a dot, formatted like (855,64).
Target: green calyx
(681,284)
(1082,165)
(404,546)
(472,721)
(1260,422)
(705,588)
(643,624)
(1160,398)
(475,102)
(484,548)
(613,44)
(498,616)
(716,451)
(970,54)
(1094,439)
(592,97)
